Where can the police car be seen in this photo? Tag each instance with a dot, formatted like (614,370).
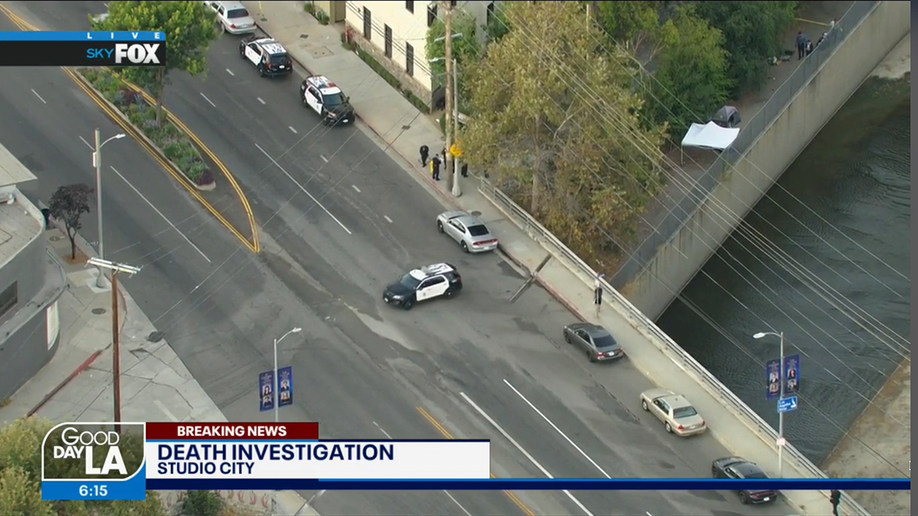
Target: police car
(439,279)
(326,99)
(269,56)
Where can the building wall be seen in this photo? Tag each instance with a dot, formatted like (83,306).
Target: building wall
(409,32)
(334,9)
(30,331)
(677,261)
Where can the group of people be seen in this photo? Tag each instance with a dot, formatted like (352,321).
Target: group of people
(805,46)
(436,161)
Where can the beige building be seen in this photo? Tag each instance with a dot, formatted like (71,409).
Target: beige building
(395,33)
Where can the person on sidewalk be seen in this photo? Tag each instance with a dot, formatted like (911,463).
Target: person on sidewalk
(801,45)
(435,168)
(465,169)
(425,153)
(835,500)
(597,294)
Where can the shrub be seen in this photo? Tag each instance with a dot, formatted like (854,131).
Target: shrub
(310,8)
(322,17)
(173,151)
(201,503)
(207,177)
(196,171)
(130,97)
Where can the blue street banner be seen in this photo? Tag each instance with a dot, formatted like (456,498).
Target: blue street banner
(773,379)
(266,391)
(791,374)
(285,389)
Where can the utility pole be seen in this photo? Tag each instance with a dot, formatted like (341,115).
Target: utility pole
(116,268)
(457,191)
(97,162)
(450,86)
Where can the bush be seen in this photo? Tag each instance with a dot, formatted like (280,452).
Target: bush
(322,17)
(207,178)
(310,8)
(201,503)
(130,97)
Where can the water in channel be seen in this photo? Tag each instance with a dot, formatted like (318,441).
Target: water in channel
(841,213)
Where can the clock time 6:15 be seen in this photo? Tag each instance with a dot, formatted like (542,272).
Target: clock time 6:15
(94,491)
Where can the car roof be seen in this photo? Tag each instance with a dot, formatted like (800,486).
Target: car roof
(676,401)
(271,46)
(324,84)
(734,462)
(747,468)
(469,220)
(596,331)
(431,270)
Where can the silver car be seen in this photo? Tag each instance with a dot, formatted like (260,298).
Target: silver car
(473,236)
(677,414)
(233,17)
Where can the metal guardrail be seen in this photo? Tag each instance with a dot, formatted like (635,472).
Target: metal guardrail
(657,337)
(752,130)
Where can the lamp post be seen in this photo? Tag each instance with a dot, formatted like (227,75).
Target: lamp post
(452,104)
(780,336)
(97,162)
(276,380)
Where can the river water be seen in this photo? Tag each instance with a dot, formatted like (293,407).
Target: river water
(825,258)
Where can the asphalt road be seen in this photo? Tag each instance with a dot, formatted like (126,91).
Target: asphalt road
(340,219)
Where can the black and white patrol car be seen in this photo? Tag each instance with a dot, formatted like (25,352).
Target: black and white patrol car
(268,56)
(439,279)
(326,99)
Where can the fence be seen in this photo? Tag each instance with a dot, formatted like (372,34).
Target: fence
(643,256)
(655,336)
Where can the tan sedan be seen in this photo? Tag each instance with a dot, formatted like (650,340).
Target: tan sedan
(677,414)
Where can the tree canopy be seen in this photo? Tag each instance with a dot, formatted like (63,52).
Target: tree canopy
(557,115)
(690,82)
(68,204)
(637,27)
(20,479)
(190,28)
(753,32)
(466,49)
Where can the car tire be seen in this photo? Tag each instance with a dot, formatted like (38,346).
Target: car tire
(567,338)
(408,303)
(668,427)
(645,406)
(449,293)
(744,498)
(713,472)
(261,70)
(464,246)
(440,227)
(591,357)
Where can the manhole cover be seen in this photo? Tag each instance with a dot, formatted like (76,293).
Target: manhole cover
(318,52)
(155,336)
(304,36)
(54,238)
(476,213)
(406,127)
(98,311)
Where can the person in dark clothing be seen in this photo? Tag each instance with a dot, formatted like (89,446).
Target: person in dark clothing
(801,45)
(465,170)
(435,168)
(835,499)
(425,152)
(809,47)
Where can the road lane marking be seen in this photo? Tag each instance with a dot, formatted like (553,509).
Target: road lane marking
(568,439)
(291,128)
(87,143)
(161,215)
(522,450)
(39,97)
(230,72)
(440,428)
(166,411)
(381,430)
(355,188)
(323,158)
(297,183)
(208,100)
(467,513)
(387,219)
(259,100)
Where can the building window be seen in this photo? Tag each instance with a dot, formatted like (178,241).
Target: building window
(490,13)
(409,59)
(9,298)
(367,24)
(431,14)
(410,6)
(388,42)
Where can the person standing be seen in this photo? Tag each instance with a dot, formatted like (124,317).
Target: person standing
(435,168)
(835,500)
(465,169)
(425,152)
(801,45)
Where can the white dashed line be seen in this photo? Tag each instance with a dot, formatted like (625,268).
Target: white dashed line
(87,143)
(259,100)
(39,97)
(387,219)
(291,128)
(381,430)
(230,72)
(208,100)
(323,158)
(355,188)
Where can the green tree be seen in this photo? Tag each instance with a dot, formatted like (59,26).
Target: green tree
(635,26)
(466,49)
(189,27)
(554,114)
(691,79)
(20,477)
(753,31)
(68,204)
(497,25)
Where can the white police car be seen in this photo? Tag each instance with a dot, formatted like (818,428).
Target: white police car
(268,56)
(439,279)
(326,99)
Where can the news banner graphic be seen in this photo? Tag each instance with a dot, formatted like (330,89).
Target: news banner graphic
(84,461)
(116,49)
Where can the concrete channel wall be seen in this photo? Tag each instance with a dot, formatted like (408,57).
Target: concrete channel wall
(811,96)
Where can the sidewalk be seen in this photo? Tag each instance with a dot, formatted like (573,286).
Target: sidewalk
(318,49)
(76,385)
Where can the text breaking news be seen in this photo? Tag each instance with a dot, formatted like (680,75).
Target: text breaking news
(83,49)
(104,461)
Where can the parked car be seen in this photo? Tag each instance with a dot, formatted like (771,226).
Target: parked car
(677,414)
(233,17)
(470,232)
(594,340)
(738,467)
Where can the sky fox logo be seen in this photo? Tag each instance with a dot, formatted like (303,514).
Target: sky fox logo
(127,54)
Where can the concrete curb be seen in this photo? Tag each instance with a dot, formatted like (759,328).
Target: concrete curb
(76,372)
(138,133)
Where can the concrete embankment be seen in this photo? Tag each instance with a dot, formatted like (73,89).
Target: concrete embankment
(879,444)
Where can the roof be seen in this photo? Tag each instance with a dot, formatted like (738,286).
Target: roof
(324,84)
(469,220)
(20,220)
(271,46)
(595,331)
(747,468)
(676,401)
(709,136)
(431,270)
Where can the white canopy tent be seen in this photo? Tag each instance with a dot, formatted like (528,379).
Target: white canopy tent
(708,136)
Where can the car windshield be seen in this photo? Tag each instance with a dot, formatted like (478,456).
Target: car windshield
(236,13)
(756,474)
(479,230)
(278,58)
(410,281)
(605,342)
(684,412)
(333,99)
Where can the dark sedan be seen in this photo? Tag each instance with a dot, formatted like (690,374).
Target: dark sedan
(737,467)
(595,341)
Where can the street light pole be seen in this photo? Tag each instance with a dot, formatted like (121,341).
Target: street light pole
(276,379)
(781,440)
(457,191)
(97,162)
(450,86)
